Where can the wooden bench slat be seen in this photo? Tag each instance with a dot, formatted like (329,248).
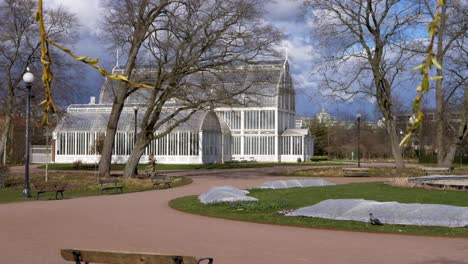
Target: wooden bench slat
(356,172)
(431,170)
(58,188)
(110,184)
(124,257)
(162,179)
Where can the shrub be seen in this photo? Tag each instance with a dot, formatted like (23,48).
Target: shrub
(77,165)
(259,206)
(4,171)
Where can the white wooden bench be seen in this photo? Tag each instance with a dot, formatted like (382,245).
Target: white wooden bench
(356,172)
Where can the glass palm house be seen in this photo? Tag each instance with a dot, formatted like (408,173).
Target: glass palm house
(262,129)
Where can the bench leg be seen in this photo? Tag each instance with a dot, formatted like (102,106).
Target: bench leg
(38,193)
(56,195)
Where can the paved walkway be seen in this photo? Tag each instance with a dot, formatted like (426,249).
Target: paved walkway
(142,222)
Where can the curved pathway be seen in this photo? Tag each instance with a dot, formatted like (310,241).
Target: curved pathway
(142,222)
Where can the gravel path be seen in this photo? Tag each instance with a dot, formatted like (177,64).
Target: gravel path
(142,222)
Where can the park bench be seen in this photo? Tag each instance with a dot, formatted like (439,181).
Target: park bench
(436,170)
(162,180)
(356,172)
(110,184)
(58,188)
(109,257)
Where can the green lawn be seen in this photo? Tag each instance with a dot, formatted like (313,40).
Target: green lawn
(373,172)
(270,201)
(79,184)
(227,165)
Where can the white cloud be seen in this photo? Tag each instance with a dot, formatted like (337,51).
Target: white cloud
(284,10)
(88,12)
(286,15)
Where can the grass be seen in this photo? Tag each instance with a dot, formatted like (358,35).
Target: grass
(271,201)
(79,184)
(227,165)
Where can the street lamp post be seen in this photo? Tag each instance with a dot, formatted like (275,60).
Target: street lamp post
(358,116)
(28,78)
(402,150)
(135,110)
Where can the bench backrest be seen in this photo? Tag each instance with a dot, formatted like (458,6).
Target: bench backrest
(49,186)
(108,181)
(437,169)
(128,257)
(159,177)
(355,169)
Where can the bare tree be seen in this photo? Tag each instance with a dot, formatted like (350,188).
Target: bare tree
(193,62)
(362,40)
(185,38)
(19,49)
(452,53)
(127,24)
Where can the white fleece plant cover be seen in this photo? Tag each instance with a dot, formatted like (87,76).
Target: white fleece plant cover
(225,194)
(387,212)
(438,178)
(294,184)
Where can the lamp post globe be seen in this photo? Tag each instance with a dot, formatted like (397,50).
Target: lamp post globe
(28,78)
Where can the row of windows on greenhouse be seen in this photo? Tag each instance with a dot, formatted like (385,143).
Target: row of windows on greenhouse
(255,119)
(254,145)
(211,143)
(286,100)
(308,146)
(291,145)
(259,120)
(77,143)
(180,143)
(236,145)
(232,118)
(259,145)
(285,120)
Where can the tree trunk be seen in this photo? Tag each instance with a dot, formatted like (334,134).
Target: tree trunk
(440,146)
(395,143)
(118,104)
(440,131)
(106,152)
(455,144)
(462,133)
(384,100)
(9,112)
(439,121)
(134,158)
(4,138)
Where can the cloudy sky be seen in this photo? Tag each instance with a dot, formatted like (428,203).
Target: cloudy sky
(284,14)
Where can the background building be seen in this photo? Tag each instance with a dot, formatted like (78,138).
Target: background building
(262,128)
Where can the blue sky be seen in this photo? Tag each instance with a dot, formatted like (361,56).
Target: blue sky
(287,15)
